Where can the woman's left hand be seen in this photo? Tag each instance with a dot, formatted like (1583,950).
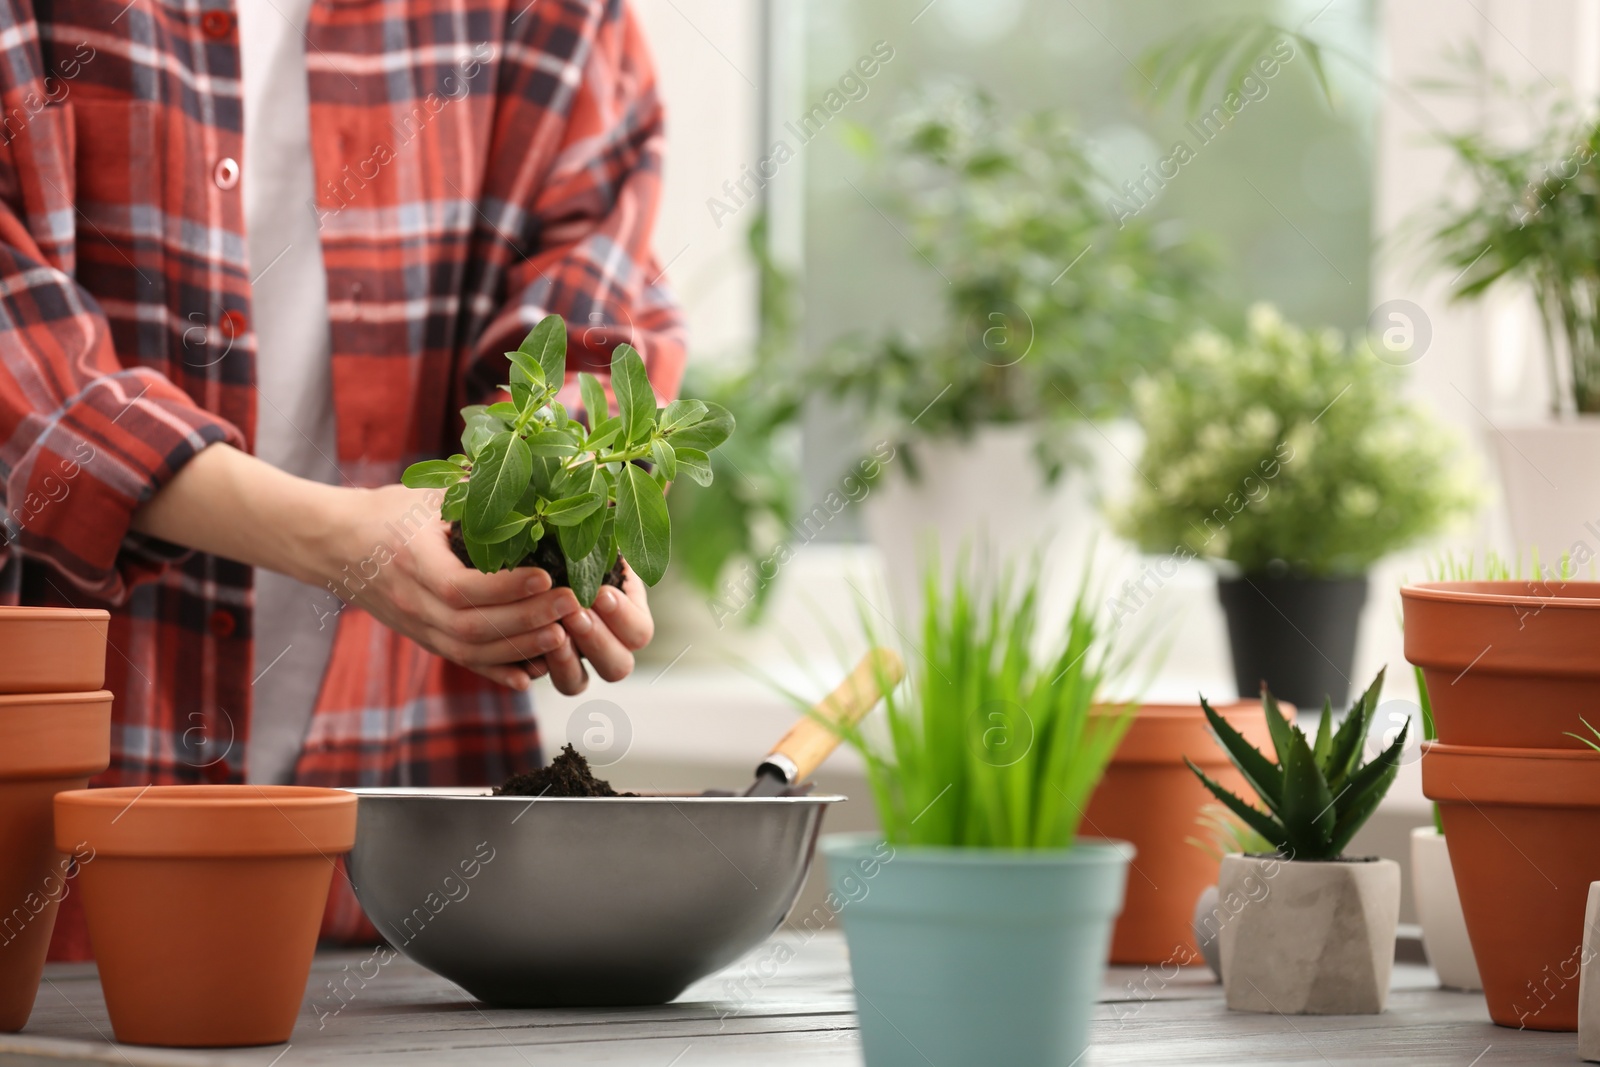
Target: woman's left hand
(607,635)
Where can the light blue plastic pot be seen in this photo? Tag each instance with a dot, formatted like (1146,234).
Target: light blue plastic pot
(975,956)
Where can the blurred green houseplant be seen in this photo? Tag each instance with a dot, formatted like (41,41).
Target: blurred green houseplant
(744,512)
(1288,451)
(1012,214)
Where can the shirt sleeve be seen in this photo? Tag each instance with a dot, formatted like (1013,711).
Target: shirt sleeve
(585,224)
(84,441)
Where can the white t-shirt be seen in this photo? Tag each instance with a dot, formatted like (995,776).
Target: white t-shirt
(289,314)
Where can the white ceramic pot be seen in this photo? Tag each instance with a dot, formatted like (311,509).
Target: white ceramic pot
(1552,485)
(1310,938)
(988,494)
(1444,930)
(1589,981)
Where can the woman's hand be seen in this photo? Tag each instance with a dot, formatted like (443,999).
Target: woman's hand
(382,549)
(607,635)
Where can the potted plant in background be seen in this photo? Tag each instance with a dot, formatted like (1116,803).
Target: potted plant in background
(979,922)
(1149,798)
(1511,666)
(1053,306)
(1531,218)
(1295,463)
(1315,932)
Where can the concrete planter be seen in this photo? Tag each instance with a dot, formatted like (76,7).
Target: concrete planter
(1444,928)
(1312,938)
(1589,982)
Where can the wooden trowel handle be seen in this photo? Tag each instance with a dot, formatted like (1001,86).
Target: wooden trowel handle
(810,741)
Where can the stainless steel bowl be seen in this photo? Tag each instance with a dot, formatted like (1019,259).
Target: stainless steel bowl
(593,901)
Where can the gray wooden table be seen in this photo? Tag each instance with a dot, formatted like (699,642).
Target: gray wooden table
(788,1003)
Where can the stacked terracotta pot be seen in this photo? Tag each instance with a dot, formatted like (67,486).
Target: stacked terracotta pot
(1150,797)
(55,733)
(1513,669)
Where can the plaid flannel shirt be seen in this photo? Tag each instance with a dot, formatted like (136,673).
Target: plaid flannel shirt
(479,164)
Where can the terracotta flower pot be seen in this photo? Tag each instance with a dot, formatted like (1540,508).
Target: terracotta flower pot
(52,650)
(1519,822)
(1507,663)
(203,904)
(48,743)
(1149,798)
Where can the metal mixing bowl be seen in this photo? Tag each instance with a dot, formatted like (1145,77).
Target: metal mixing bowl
(592,901)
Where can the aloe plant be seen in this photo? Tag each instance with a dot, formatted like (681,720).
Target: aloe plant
(1317,794)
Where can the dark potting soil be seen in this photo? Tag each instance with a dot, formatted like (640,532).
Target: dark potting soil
(567,776)
(546,554)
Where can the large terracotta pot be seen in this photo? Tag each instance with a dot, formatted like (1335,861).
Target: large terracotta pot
(48,743)
(1149,798)
(1521,823)
(52,650)
(203,904)
(1507,663)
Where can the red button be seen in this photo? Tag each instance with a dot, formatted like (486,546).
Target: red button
(222,623)
(233,323)
(216,24)
(226,173)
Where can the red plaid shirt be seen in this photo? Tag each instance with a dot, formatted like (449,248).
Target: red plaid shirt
(479,163)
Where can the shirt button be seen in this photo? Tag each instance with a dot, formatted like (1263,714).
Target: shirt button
(233,323)
(221,623)
(216,24)
(227,173)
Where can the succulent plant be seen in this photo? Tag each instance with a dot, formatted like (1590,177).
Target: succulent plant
(1318,794)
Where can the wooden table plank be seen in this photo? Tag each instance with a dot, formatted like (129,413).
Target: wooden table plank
(788,1003)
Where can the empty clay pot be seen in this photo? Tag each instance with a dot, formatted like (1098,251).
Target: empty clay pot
(1512,664)
(203,904)
(48,743)
(1518,820)
(52,650)
(1149,798)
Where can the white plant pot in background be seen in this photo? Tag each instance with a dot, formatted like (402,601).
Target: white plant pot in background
(1551,475)
(988,493)
(1314,938)
(1444,930)
(1589,981)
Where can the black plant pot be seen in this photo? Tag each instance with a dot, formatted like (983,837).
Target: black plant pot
(1296,634)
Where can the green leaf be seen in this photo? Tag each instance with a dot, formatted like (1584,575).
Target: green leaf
(572,510)
(636,401)
(1346,749)
(1264,776)
(666,460)
(547,343)
(479,426)
(484,557)
(1365,792)
(522,395)
(525,370)
(432,474)
(505,410)
(708,433)
(1324,735)
(555,444)
(578,541)
(644,532)
(603,436)
(499,478)
(594,399)
(1277,726)
(696,464)
(454,504)
(1307,811)
(681,413)
(507,528)
(585,573)
(1258,821)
